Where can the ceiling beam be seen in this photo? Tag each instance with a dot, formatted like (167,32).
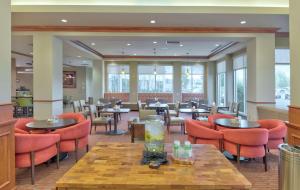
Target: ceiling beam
(144,29)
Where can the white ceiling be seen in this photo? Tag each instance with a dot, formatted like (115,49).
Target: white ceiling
(142,20)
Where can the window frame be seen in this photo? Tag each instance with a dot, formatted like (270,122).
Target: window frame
(120,74)
(219,89)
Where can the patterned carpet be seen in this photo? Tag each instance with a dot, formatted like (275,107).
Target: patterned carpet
(47,176)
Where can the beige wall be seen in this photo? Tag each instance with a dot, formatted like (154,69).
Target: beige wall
(13,77)
(80,91)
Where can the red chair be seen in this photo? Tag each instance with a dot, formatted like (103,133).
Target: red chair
(77,116)
(200,133)
(249,143)
(277,131)
(74,137)
(213,118)
(34,149)
(20,125)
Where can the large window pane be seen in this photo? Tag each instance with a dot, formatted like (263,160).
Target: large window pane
(192,78)
(155,78)
(282,79)
(118,78)
(221,89)
(240,88)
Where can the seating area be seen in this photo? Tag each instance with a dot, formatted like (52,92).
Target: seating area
(149,95)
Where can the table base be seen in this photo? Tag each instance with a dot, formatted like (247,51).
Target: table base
(117,132)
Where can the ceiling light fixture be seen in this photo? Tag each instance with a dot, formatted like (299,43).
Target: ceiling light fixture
(181,45)
(30,53)
(128,44)
(155,42)
(217,45)
(243,22)
(64,20)
(78,56)
(93,44)
(152,21)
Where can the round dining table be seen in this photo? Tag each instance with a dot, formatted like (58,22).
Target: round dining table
(237,123)
(50,125)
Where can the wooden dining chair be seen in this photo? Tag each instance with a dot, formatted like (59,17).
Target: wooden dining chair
(98,121)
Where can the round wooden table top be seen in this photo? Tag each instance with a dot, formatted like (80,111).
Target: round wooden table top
(47,125)
(237,124)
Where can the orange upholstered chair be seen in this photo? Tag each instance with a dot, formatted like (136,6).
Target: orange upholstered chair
(34,149)
(79,117)
(74,137)
(213,118)
(277,131)
(249,143)
(199,132)
(20,125)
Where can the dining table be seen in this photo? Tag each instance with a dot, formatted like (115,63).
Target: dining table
(237,123)
(50,125)
(158,107)
(115,112)
(194,111)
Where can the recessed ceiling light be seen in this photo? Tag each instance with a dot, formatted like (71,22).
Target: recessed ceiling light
(155,42)
(152,21)
(243,22)
(181,45)
(64,20)
(78,56)
(93,43)
(128,44)
(30,53)
(217,45)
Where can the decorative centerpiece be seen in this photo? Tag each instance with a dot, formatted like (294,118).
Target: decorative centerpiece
(154,143)
(116,107)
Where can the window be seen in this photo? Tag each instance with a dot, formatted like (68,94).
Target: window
(192,78)
(240,81)
(155,78)
(282,77)
(118,78)
(221,83)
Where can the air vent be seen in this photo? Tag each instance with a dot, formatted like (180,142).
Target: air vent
(28,63)
(172,42)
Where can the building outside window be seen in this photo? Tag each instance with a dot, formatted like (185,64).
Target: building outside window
(282,77)
(240,81)
(192,78)
(155,78)
(118,78)
(221,83)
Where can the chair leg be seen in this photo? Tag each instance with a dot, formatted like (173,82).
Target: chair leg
(57,156)
(32,167)
(87,148)
(76,150)
(238,147)
(109,126)
(265,158)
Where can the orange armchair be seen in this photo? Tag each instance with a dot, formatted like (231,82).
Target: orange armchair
(20,125)
(200,133)
(249,143)
(277,131)
(213,118)
(34,149)
(77,116)
(74,137)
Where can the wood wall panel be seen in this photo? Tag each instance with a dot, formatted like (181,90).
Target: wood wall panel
(294,125)
(7,154)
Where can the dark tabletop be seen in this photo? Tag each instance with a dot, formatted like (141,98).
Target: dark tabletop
(44,124)
(237,124)
(112,110)
(190,110)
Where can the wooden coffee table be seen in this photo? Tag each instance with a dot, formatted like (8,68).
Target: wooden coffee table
(111,166)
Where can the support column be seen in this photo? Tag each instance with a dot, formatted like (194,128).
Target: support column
(133,95)
(260,73)
(47,75)
(177,81)
(5,61)
(211,82)
(89,82)
(98,79)
(294,109)
(229,80)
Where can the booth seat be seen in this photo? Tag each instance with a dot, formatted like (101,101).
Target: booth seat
(114,95)
(166,96)
(277,131)
(189,96)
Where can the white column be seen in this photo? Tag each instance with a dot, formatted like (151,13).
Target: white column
(261,73)
(47,75)
(295,54)
(211,82)
(88,82)
(133,95)
(98,79)
(229,79)
(5,60)
(177,81)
